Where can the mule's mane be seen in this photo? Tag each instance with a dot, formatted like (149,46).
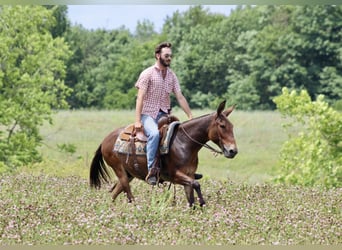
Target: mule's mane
(196,118)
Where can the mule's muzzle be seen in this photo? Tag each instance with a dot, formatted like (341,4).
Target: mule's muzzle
(230,152)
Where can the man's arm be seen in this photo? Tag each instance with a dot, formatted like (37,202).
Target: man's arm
(138,107)
(184,104)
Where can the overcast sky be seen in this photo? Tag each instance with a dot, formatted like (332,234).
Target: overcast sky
(116,16)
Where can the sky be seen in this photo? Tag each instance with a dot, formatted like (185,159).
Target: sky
(116,16)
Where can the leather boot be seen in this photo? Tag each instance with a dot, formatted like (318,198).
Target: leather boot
(153,173)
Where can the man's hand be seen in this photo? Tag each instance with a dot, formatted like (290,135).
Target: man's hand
(137,125)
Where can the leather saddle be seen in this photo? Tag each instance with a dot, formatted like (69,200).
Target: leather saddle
(132,137)
(138,135)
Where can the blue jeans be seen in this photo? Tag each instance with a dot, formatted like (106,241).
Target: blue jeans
(152,133)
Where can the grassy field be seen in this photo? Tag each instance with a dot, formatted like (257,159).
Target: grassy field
(49,210)
(259,136)
(51,203)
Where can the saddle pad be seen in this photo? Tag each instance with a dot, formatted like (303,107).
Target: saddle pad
(165,144)
(125,147)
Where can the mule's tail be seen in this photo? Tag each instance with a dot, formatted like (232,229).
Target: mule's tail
(98,170)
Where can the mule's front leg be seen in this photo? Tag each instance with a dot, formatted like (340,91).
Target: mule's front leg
(189,185)
(197,187)
(189,191)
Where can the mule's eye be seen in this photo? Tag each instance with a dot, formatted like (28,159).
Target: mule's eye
(222,126)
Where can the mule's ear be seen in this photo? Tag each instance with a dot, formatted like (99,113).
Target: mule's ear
(229,110)
(221,107)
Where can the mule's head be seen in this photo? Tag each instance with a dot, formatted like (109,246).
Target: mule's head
(221,131)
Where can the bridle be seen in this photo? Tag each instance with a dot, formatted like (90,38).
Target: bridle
(215,151)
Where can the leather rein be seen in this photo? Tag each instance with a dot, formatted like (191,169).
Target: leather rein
(215,151)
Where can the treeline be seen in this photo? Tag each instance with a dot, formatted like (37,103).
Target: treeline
(246,57)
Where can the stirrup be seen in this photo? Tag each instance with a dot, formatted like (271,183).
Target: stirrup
(152,176)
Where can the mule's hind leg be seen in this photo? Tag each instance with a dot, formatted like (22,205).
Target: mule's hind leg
(122,184)
(118,188)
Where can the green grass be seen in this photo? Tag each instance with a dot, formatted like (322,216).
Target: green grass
(50,210)
(259,136)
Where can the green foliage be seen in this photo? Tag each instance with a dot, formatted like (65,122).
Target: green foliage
(293,46)
(31,73)
(331,84)
(104,67)
(120,90)
(95,55)
(145,30)
(314,156)
(198,62)
(61,23)
(243,93)
(338,105)
(201,100)
(319,48)
(67,148)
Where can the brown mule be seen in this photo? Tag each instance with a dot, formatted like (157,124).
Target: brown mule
(178,166)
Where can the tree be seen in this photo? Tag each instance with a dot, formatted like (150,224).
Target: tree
(263,62)
(318,27)
(314,156)
(31,81)
(94,61)
(61,23)
(198,62)
(120,88)
(145,30)
(293,46)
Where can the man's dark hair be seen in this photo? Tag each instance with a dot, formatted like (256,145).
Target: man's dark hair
(160,46)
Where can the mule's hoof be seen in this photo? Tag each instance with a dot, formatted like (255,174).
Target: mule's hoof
(198,176)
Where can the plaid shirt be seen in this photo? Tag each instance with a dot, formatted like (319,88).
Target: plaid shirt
(157,89)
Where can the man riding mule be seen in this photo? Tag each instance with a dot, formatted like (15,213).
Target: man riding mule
(179,165)
(155,84)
